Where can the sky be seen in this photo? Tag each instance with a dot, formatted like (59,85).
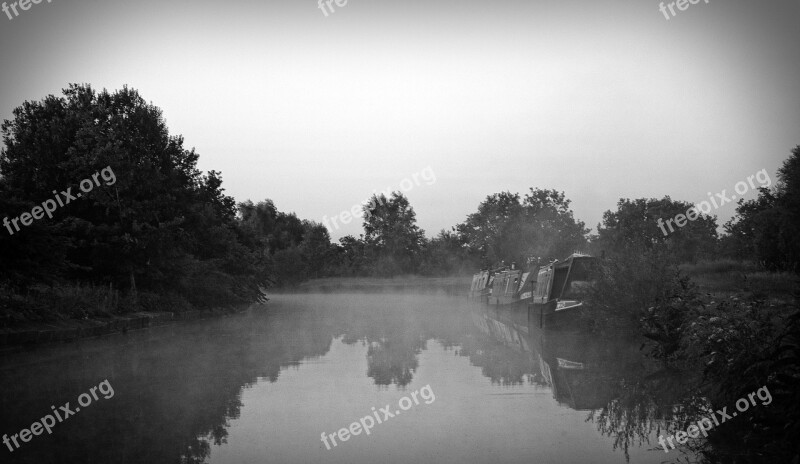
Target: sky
(600,99)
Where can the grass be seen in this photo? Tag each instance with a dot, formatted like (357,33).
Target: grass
(43,304)
(726,277)
(46,304)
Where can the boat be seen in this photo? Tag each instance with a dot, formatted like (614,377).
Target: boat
(481,285)
(509,286)
(555,294)
(561,290)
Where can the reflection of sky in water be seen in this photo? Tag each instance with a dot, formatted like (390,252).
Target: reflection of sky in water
(316,363)
(470,421)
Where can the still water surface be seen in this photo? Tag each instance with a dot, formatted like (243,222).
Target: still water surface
(262,386)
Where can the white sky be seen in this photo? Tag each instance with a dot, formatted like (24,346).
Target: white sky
(601,99)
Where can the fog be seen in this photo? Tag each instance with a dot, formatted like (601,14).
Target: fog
(270,381)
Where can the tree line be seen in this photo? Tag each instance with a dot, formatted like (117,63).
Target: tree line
(166,234)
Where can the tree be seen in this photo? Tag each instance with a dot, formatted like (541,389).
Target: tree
(507,228)
(765,229)
(554,231)
(448,254)
(348,257)
(157,224)
(295,249)
(634,228)
(487,231)
(316,248)
(391,234)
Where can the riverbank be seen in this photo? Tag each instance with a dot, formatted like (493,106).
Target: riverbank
(730,327)
(35,333)
(455,285)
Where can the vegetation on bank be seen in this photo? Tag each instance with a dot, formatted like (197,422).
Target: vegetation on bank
(727,342)
(734,321)
(165,237)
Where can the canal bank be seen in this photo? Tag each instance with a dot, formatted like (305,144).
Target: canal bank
(35,333)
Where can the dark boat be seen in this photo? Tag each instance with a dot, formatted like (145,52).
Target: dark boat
(561,290)
(481,285)
(555,293)
(512,286)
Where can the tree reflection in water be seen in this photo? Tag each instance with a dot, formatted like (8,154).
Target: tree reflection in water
(179,387)
(629,396)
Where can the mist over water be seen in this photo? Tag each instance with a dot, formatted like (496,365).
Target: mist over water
(262,386)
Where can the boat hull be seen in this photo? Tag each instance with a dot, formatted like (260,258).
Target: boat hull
(547,316)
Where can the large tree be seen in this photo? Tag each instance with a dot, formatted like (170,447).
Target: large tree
(391,234)
(508,228)
(639,225)
(160,224)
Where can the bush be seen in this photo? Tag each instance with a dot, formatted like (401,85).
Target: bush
(167,302)
(742,344)
(646,292)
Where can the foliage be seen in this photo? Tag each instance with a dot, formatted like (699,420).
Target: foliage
(160,225)
(391,236)
(741,344)
(295,249)
(508,228)
(448,254)
(765,229)
(645,291)
(635,226)
(738,343)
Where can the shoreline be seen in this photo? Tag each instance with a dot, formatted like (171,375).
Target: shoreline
(454,285)
(40,334)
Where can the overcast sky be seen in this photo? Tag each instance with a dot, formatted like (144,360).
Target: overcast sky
(602,99)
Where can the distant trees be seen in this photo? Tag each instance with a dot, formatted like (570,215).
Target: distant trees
(166,228)
(493,231)
(766,229)
(350,256)
(295,249)
(507,228)
(391,235)
(448,254)
(634,228)
(555,231)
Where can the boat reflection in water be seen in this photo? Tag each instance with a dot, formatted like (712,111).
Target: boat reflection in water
(262,385)
(628,395)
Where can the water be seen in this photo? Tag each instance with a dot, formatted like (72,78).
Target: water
(262,386)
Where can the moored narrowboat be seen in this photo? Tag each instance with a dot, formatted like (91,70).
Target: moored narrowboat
(512,286)
(562,289)
(555,294)
(481,285)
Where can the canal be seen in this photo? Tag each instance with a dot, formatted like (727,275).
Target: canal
(383,377)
